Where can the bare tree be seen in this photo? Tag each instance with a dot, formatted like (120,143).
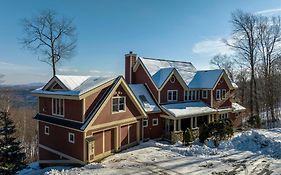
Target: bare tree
(52,37)
(224,62)
(269,45)
(244,42)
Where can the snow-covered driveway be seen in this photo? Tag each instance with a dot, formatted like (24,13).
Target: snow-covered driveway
(252,152)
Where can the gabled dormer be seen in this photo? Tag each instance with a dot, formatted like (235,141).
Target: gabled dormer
(70,97)
(213,87)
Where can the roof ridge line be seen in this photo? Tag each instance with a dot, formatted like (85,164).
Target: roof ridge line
(159,59)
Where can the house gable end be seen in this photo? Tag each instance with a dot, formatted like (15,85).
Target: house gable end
(120,82)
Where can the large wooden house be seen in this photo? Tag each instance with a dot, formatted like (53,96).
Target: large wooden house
(82,119)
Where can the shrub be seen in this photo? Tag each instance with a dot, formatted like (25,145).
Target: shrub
(188,137)
(203,133)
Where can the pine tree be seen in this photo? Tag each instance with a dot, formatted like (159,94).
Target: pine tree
(11,155)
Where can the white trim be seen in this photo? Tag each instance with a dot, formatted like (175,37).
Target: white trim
(63,107)
(118,104)
(202,95)
(144,126)
(69,137)
(46,130)
(223,96)
(155,119)
(218,94)
(172,91)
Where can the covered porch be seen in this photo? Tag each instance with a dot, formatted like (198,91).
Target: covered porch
(181,116)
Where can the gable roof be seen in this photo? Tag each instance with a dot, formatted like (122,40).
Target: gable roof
(205,79)
(185,69)
(75,85)
(145,98)
(161,76)
(99,105)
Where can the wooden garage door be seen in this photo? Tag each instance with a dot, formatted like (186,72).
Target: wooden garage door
(133,132)
(128,134)
(109,140)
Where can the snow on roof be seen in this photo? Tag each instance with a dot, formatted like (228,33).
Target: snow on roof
(72,82)
(237,107)
(79,87)
(161,75)
(205,79)
(144,97)
(235,86)
(185,69)
(188,109)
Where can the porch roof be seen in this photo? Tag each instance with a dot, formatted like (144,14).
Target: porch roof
(188,109)
(237,107)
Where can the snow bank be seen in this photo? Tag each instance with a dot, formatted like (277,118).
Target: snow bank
(255,141)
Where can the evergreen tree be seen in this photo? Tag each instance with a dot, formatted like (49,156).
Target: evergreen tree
(11,155)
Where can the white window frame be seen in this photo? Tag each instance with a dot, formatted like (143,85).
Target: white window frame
(143,121)
(57,112)
(153,120)
(118,104)
(223,96)
(172,91)
(223,116)
(47,130)
(69,136)
(218,92)
(204,97)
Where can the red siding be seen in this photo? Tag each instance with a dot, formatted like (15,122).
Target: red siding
(208,100)
(222,85)
(107,116)
(72,108)
(58,140)
(172,86)
(154,131)
(133,133)
(130,60)
(140,76)
(98,143)
(109,139)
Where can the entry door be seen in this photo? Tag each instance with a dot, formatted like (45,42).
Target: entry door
(91,150)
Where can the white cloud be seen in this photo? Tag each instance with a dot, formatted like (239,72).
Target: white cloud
(211,47)
(269,12)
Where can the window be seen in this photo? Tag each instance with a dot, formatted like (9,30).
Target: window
(223,93)
(118,104)
(145,123)
(223,116)
(218,94)
(58,106)
(204,94)
(155,122)
(47,130)
(71,137)
(172,95)
(186,95)
(194,95)
(144,101)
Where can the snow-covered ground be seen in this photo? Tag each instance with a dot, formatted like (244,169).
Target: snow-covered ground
(250,152)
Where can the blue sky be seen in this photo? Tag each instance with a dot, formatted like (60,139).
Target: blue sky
(108,29)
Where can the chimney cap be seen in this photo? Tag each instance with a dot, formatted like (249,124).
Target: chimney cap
(131,52)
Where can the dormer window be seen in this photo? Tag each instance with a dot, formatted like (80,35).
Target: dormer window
(58,107)
(172,95)
(118,104)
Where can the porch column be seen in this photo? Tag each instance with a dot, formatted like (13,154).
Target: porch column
(195,121)
(210,118)
(175,125)
(191,122)
(179,124)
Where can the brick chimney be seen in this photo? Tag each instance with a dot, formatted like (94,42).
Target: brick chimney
(130,60)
